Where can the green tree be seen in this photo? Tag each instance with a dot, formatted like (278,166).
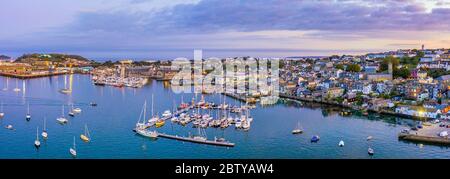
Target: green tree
(340,66)
(353,68)
(402,72)
(390,59)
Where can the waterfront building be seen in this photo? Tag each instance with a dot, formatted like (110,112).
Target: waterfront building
(335,92)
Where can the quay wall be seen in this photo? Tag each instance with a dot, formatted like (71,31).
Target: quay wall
(28,76)
(425,139)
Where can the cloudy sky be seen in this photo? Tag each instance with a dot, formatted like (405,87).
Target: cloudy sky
(173,28)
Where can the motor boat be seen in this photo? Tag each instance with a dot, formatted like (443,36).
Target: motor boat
(341,143)
(315,138)
(370,151)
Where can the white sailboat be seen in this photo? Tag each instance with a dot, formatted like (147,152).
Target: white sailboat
(62,119)
(167,113)
(71,113)
(65,90)
(139,124)
(73,150)
(28,116)
(298,129)
(152,121)
(7,84)
(86,136)
(142,126)
(37,143)
(2,114)
(44,131)
(17,89)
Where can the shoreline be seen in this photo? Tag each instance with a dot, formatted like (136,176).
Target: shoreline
(30,76)
(381,111)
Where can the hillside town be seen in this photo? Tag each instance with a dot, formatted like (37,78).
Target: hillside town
(410,83)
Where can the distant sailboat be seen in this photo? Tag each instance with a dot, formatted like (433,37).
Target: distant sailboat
(73,150)
(298,129)
(37,143)
(85,137)
(2,114)
(28,116)
(71,113)
(7,84)
(44,131)
(17,89)
(62,119)
(65,90)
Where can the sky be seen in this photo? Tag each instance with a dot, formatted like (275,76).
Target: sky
(221,28)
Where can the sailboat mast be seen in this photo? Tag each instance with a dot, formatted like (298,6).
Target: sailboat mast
(152,105)
(145,111)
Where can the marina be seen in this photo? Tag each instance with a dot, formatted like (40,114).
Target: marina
(270,135)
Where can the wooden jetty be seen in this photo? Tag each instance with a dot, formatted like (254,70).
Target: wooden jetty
(195,140)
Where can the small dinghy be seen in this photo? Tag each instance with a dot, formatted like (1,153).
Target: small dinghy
(369,138)
(370,151)
(315,138)
(10,127)
(341,143)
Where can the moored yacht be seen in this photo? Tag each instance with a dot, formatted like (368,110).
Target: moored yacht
(166,114)
(298,129)
(86,136)
(62,119)
(44,130)
(2,114)
(28,116)
(37,143)
(73,150)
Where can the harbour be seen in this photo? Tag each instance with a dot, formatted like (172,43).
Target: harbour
(118,109)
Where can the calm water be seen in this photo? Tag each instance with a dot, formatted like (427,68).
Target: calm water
(111,122)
